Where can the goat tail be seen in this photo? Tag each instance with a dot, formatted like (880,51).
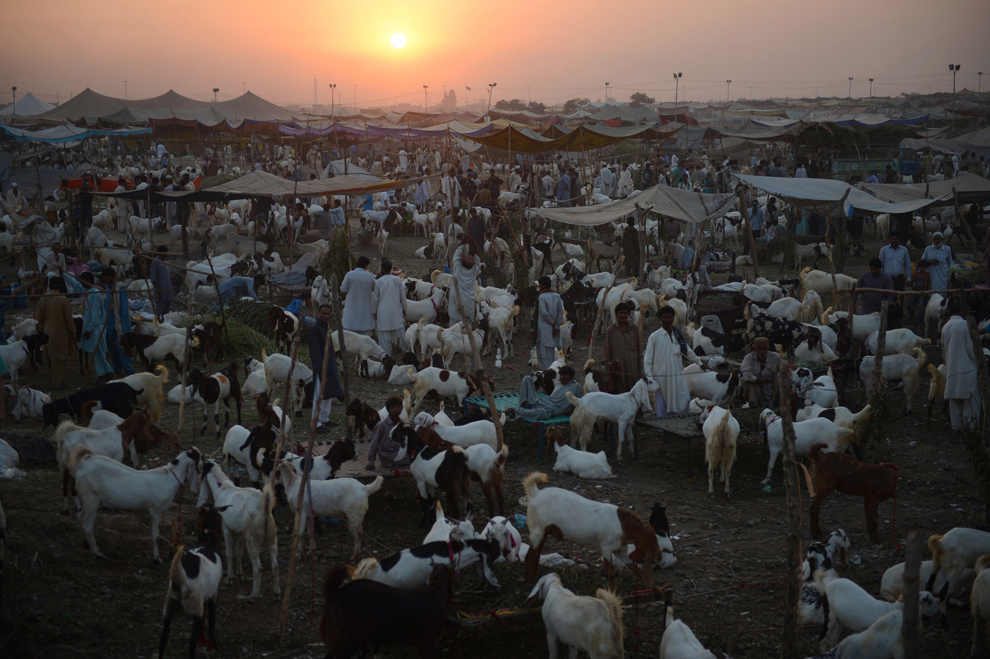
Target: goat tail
(920,356)
(613,603)
(334,579)
(589,365)
(862,415)
(63,429)
(935,547)
(807,480)
(502,456)
(268,500)
(364,568)
(825,612)
(79,456)
(374,486)
(162,372)
(175,572)
(529,483)
(722,430)
(572,399)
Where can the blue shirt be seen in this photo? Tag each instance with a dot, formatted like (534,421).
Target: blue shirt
(564,188)
(238,286)
(896,262)
(757,217)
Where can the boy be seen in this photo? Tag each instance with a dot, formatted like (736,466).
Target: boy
(382,445)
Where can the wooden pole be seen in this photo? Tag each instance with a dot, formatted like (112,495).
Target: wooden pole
(792,486)
(749,231)
(984,380)
(343,348)
(185,371)
(307,466)
(283,618)
(601,309)
(881,344)
(480,372)
(962,219)
(910,624)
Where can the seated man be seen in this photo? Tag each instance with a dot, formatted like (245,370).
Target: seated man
(382,445)
(540,409)
(758,374)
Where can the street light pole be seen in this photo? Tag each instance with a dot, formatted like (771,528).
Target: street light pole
(244,88)
(215,90)
(980,74)
(125,90)
(13,94)
(426,103)
(491,88)
(954,68)
(728,86)
(355,98)
(333,86)
(606,93)
(850,87)
(871,89)
(677,77)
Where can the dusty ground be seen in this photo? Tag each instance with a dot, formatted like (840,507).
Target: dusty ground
(60,601)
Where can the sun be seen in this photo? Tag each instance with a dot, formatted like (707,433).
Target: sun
(398,40)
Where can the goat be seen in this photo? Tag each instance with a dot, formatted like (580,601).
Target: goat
(446,383)
(269,413)
(150,388)
(444,529)
(277,371)
(194,583)
(601,379)
(354,613)
(486,466)
(170,345)
(411,568)
(247,518)
(283,325)
(892,582)
(361,346)
(905,368)
(597,250)
(365,416)
(618,408)
(18,354)
(209,336)
(243,445)
(807,434)
(721,430)
(30,403)
(897,341)
(821,282)
(838,471)
(851,607)
(433,469)
(589,624)
(955,552)
(212,389)
(339,496)
(580,463)
(979,602)
(463,435)
(324,467)
(569,516)
(819,391)
(679,642)
(101,481)
(720,388)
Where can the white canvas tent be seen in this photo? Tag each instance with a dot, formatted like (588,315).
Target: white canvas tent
(694,207)
(26,106)
(825,195)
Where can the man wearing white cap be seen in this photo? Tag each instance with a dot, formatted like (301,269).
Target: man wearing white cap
(625,182)
(962,387)
(15,200)
(389,307)
(123,207)
(939,259)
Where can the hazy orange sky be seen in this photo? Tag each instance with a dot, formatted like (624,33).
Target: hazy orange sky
(549,51)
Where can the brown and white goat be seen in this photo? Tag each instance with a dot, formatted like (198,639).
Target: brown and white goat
(284,325)
(838,471)
(222,385)
(434,469)
(487,467)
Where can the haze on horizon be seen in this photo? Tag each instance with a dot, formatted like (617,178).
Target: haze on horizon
(768,48)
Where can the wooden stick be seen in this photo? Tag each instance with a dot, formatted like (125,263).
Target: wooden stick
(881,343)
(910,624)
(749,232)
(283,618)
(792,487)
(601,309)
(343,350)
(984,380)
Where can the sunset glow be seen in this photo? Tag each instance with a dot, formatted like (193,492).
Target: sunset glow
(398,40)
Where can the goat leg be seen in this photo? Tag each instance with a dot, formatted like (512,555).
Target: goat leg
(166,624)
(211,608)
(195,635)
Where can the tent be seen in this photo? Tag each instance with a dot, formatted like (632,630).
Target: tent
(825,195)
(66,135)
(971,188)
(26,106)
(683,205)
(582,138)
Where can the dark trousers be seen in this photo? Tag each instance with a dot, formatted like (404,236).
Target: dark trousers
(898,282)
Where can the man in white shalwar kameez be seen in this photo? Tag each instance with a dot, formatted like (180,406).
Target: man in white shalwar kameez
(625,182)
(403,161)
(551,317)
(608,180)
(663,366)
(359,287)
(466,266)
(123,209)
(389,305)
(962,388)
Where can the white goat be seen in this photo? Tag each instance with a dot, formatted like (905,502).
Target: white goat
(852,608)
(618,408)
(247,520)
(444,529)
(711,385)
(580,463)
(588,624)
(905,368)
(679,642)
(450,384)
(979,602)
(101,481)
(806,433)
(898,341)
(952,554)
(721,430)
(339,496)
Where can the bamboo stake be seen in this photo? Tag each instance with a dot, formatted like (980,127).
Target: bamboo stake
(792,487)
(910,624)
(278,452)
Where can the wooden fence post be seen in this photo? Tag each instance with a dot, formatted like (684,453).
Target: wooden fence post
(881,344)
(792,486)
(749,232)
(909,624)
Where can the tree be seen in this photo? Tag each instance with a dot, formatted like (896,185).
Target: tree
(640,99)
(574,105)
(515,105)
(449,103)
(536,107)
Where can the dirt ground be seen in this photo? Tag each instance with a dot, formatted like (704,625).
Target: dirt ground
(61,601)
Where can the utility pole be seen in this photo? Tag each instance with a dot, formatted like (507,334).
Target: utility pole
(871,89)
(728,86)
(529,94)
(850,87)
(125,90)
(333,86)
(980,83)
(13,93)
(677,80)
(491,88)
(215,90)
(606,93)
(954,68)
(426,102)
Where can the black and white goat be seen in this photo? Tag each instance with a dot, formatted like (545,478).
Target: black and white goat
(446,469)
(194,583)
(222,385)
(411,568)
